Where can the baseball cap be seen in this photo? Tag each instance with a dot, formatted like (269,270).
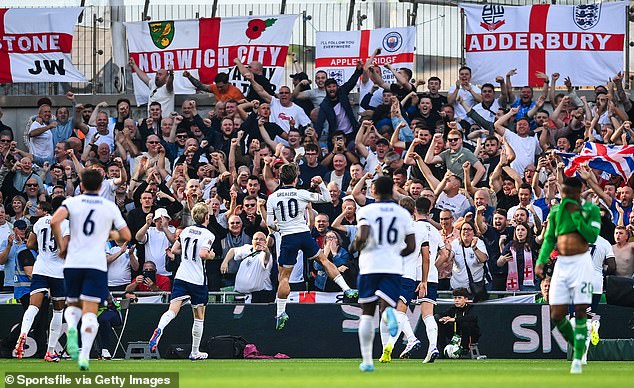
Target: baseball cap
(160,212)
(299,76)
(383,140)
(20,224)
(330,81)
(278,161)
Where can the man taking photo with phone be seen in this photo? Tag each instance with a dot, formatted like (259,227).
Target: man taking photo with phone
(149,280)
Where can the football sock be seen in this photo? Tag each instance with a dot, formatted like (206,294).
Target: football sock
(281,305)
(72,314)
(405,326)
(431,327)
(385,333)
(581,332)
(54,330)
(341,282)
(89,328)
(366,338)
(27,319)
(166,318)
(197,333)
(565,328)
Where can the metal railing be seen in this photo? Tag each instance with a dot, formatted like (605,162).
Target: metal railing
(439,47)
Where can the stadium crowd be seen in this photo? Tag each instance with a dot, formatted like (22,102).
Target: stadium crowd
(487,159)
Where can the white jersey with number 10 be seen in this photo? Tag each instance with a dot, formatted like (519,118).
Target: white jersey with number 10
(389,224)
(288,206)
(91,218)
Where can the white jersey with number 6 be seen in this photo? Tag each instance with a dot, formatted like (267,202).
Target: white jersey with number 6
(48,262)
(91,218)
(389,224)
(192,240)
(436,243)
(288,206)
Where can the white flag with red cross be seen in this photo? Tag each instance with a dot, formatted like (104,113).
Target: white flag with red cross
(337,53)
(36,45)
(583,42)
(207,46)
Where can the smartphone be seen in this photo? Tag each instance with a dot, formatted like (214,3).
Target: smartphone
(150,275)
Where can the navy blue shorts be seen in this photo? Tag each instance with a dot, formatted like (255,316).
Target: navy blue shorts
(408,290)
(432,293)
(182,290)
(86,284)
(386,286)
(293,243)
(53,286)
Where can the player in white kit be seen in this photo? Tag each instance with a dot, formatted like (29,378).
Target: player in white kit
(48,277)
(602,257)
(85,269)
(383,226)
(413,284)
(190,282)
(285,209)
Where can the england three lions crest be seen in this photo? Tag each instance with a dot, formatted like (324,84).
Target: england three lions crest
(587,16)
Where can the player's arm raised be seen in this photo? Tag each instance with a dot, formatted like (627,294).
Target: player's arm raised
(56,227)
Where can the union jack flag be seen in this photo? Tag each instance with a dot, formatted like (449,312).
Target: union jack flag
(613,159)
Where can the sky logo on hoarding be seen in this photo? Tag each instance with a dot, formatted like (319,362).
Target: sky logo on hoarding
(392,41)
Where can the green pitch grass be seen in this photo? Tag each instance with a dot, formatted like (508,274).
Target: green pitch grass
(326,373)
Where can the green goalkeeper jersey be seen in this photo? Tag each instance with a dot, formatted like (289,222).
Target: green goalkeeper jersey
(586,221)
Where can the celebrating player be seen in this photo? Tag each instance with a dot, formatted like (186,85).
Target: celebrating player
(413,283)
(190,282)
(48,276)
(572,226)
(287,206)
(383,226)
(85,268)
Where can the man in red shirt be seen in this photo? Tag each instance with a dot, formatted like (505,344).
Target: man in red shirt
(150,280)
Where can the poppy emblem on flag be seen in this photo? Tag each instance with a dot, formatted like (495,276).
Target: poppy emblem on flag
(162,33)
(492,17)
(392,41)
(587,16)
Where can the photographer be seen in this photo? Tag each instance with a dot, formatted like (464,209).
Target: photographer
(149,280)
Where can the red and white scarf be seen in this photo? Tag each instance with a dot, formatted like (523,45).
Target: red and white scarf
(512,279)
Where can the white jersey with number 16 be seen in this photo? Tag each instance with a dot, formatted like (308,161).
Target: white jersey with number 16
(389,224)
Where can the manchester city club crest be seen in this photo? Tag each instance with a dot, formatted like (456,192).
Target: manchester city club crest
(392,41)
(587,16)
(492,17)
(162,33)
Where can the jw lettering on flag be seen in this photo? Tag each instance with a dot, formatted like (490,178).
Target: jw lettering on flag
(613,159)
(36,45)
(583,42)
(207,46)
(337,53)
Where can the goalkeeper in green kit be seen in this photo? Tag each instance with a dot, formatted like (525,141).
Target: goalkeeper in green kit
(571,226)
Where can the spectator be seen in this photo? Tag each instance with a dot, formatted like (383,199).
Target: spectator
(335,110)
(463,88)
(221,88)
(518,260)
(341,259)
(623,253)
(150,280)
(40,134)
(458,320)
(156,239)
(9,250)
(469,256)
(161,86)
(121,262)
(254,274)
